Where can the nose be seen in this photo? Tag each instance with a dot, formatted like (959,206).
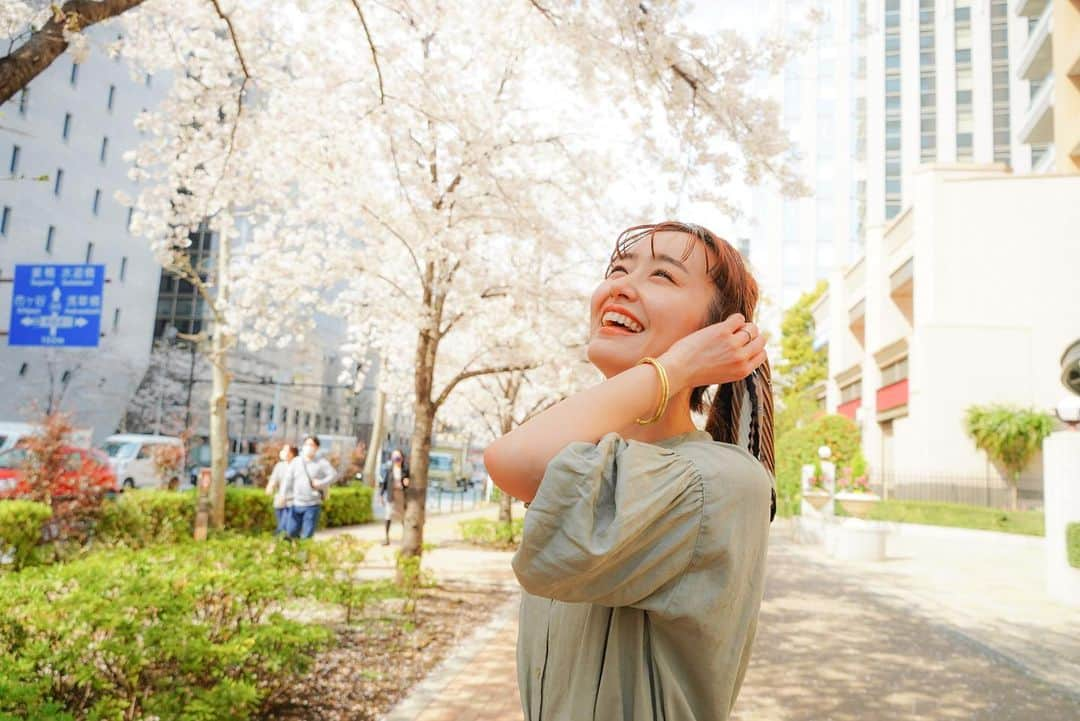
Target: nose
(622,287)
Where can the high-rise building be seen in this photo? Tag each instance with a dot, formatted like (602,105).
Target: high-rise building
(63,139)
(1047,66)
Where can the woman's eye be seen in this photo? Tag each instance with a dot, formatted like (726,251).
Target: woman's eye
(664,274)
(616,269)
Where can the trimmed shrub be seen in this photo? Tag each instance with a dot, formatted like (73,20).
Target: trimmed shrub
(190,631)
(1072,544)
(248,510)
(486,532)
(20,531)
(140,518)
(347,506)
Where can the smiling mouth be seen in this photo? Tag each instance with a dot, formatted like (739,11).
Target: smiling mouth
(620,323)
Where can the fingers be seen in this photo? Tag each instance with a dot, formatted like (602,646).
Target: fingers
(756,346)
(732,323)
(756,361)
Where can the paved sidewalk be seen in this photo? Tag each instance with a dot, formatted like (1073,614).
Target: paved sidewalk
(942,630)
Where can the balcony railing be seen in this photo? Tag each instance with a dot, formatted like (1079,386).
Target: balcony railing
(1036,59)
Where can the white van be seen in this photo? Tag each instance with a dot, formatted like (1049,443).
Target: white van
(11,433)
(131,458)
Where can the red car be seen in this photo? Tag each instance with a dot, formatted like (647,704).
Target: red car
(79,463)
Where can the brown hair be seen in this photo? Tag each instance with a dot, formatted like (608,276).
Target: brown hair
(736,292)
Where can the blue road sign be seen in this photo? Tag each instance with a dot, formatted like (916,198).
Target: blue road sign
(56,305)
(271,427)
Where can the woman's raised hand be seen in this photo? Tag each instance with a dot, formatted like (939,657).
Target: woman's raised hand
(719,353)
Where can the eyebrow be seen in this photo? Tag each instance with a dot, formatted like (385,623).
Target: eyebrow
(661,256)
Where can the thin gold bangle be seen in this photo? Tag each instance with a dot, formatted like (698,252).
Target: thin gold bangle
(665,389)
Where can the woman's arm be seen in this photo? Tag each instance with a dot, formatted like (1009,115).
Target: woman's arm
(714,354)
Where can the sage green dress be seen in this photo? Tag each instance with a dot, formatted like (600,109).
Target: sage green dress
(642,566)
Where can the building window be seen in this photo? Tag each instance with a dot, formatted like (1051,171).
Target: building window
(999,65)
(58,183)
(14,158)
(927,82)
(74,74)
(123,268)
(851,392)
(149,79)
(65,377)
(894,372)
(5,219)
(115,318)
(112,97)
(67,125)
(131,212)
(49,236)
(893,40)
(23,368)
(97,200)
(965,113)
(24,101)
(89,252)
(104,149)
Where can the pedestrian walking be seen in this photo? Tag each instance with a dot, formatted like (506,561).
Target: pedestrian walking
(278,487)
(643,554)
(309,480)
(392,490)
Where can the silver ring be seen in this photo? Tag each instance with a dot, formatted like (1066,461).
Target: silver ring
(749,335)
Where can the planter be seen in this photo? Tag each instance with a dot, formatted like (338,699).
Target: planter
(817,498)
(857,504)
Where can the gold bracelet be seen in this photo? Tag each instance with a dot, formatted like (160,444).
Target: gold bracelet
(665,389)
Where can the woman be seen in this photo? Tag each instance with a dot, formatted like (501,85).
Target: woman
(309,481)
(392,490)
(277,487)
(643,554)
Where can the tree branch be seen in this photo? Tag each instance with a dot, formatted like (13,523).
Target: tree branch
(465,375)
(374,54)
(243,86)
(31,58)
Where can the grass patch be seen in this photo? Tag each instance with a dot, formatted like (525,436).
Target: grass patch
(486,532)
(955,515)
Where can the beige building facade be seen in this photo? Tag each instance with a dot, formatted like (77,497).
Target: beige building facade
(969,296)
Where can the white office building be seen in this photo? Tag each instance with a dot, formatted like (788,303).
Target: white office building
(62,140)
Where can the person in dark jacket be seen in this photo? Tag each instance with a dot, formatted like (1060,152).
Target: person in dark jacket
(392,490)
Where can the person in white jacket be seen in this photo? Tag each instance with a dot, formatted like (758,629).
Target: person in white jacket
(309,480)
(277,487)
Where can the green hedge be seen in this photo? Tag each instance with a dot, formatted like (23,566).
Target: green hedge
(347,506)
(1072,543)
(800,446)
(1028,523)
(486,532)
(20,530)
(189,631)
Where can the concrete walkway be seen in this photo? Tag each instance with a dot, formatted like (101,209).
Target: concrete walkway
(945,629)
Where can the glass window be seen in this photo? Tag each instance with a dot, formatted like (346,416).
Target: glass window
(67,125)
(5,220)
(104,149)
(49,236)
(112,97)
(74,73)
(963,97)
(963,140)
(963,56)
(97,200)
(14,158)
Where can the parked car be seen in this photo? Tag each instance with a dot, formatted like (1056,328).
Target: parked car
(132,458)
(79,463)
(239,470)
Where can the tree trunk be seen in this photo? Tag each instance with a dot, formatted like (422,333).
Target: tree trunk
(419,459)
(505,500)
(47,44)
(374,449)
(219,418)
(219,434)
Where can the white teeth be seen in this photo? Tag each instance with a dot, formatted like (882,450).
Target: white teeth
(613,317)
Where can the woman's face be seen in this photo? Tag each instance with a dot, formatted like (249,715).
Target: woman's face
(661,298)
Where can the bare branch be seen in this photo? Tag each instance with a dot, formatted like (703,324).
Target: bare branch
(374,54)
(243,85)
(465,375)
(548,15)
